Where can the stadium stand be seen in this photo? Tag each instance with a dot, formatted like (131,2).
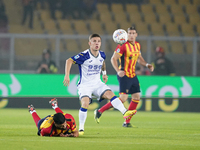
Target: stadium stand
(190,9)
(58,14)
(117,8)
(110,45)
(156,17)
(80,27)
(50,26)
(165,45)
(122,17)
(110,27)
(125,25)
(164,18)
(134,18)
(161,9)
(72,45)
(84,44)
(157,29)
(187,29)
(170,2)
(146,9)
(172,29)
(45,15)
(142,28)
(176,47)
(176,9)
(155,2)
(29,47)
(198,29)
(103,8)
(194,19)
(184,2)
(150,18)
(104,17)
(65,27)
(188,47)
(96,26)
(196,2)
(179,19)
(132,9)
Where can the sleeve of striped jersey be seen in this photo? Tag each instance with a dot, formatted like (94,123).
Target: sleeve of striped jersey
(120,49)
(139,48)
(72,122)
(80,58)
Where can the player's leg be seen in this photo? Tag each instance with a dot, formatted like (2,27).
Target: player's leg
(54,104)
(109,105)
(135,90)
(133,105)
(83,113)
(85,94)
(99,90)
(124,86)
(117,104)
(35,116)
(104,90)
(104,108)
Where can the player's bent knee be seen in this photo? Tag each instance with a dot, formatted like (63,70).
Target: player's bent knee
(108,94)
(85,102)
(136,96)
(123,97)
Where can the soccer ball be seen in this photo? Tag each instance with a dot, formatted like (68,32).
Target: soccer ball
(120,36)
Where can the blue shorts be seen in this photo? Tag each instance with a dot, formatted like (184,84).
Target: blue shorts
(128,85)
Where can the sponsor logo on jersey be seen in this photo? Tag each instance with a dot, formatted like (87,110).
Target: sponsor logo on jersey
(101,60)
(76,57)
(118,50)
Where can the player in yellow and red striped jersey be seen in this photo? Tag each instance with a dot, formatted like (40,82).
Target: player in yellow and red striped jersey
(59,124)
(128,55)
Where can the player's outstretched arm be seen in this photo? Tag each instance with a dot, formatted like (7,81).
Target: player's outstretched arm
(76,133)
(68,66)
(141,61)
(114,63)
(105,77)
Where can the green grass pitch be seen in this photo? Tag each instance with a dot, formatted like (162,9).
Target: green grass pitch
(155,131)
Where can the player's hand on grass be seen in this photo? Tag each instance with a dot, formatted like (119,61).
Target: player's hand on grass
(66,135)
(105,78)
(66,81)
(120,73)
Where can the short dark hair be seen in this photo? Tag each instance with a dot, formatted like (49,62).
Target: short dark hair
(59,118)
(132,28)
(94,35)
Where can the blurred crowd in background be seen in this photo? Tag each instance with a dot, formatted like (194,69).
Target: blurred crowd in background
(83,17)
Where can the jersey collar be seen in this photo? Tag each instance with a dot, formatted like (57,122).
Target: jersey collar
(93,55)
(132,43)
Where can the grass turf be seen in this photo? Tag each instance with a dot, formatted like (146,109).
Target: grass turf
(155,131)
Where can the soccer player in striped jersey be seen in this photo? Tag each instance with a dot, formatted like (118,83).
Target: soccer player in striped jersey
(59,124)
(127,54)
(91,63)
